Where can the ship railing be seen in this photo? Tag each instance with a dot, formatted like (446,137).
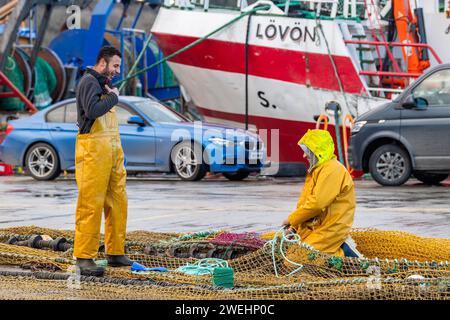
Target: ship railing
(394,44)
(190,4)
(346,8)
(333,8)
(317,5)
(240,4)
(388,90)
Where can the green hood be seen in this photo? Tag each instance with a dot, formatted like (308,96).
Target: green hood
(320,143)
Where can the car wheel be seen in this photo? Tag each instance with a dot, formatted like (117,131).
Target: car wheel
(390,165)
(430,178)
(188,161)
(42,162)
(236,176)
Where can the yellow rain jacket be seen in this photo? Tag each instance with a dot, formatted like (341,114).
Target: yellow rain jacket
(101,180)
(326,207)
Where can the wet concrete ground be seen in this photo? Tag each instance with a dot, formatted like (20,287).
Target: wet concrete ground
(158,203)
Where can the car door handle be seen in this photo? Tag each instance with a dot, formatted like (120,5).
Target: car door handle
(57,129)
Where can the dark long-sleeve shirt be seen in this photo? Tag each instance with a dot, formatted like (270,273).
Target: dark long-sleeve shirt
(93,100)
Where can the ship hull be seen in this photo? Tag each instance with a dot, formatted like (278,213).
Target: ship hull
(274,83)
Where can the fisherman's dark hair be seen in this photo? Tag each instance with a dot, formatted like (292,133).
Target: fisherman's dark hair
(107,52)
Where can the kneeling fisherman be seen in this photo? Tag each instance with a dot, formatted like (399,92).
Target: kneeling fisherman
(326,207)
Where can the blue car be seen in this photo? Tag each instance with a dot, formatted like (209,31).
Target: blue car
(154,138)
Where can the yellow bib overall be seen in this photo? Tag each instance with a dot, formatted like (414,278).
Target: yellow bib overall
(101,180)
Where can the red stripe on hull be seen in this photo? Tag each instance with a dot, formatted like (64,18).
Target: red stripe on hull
(290,132)
(305,68)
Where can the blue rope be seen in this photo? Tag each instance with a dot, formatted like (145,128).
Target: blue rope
(222,274)
(203,266)
(195,235)
(285,238)
(223,277)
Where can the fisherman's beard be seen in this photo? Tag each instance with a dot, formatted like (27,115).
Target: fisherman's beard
(108,74)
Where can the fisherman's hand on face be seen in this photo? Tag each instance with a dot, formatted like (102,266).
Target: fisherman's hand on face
(115,90)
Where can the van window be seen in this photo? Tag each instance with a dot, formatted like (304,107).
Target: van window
(435,89)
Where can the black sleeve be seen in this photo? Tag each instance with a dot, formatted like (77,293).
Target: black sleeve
(93,105)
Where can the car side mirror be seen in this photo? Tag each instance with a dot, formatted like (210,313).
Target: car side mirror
(415,103)
(136,120)
(421,103)
(409,102)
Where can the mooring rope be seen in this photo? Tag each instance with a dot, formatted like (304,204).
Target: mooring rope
(170,56)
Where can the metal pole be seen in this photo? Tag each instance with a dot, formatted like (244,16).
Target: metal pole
(41,33)
(122,50)
(9,35)
(141,54)
(246,69)
(124,13)
(138,15)
(145,92)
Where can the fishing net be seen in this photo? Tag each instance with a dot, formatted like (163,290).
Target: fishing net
(14,74)
(45,83)
(275,266)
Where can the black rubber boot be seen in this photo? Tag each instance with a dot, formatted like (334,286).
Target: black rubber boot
(89,268)
(119,261)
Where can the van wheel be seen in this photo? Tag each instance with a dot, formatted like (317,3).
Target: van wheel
(42,162)
(430,178)
(236,176)
(390,165)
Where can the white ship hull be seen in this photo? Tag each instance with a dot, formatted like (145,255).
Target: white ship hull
(290,71)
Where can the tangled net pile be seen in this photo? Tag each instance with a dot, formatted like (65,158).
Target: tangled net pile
(396,265)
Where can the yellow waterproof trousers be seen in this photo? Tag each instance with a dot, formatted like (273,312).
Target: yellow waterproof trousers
(101,180)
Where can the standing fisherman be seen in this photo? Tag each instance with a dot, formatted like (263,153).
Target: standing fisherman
(99,167)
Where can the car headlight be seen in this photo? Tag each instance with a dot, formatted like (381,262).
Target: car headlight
(221,142)
(252,144)
(358,125)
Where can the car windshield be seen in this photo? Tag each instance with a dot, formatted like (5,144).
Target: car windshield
(158,112)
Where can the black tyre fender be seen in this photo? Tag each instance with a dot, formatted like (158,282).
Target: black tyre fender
(236,176)
(430,178)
